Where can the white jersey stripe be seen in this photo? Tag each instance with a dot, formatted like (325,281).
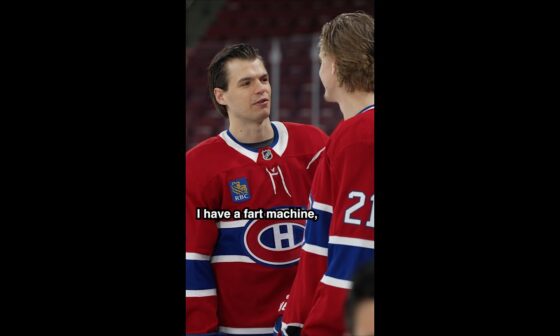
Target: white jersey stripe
(245,331)
(242,150)
(232,224)
(323,251)
(315,157)
(286,325)
(282,143)
(322,207)
(336,282)
(200,292)
(196,256)
(231,258)
(370,244)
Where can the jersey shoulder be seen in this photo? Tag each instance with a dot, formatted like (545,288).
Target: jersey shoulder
(205,160)
(358,129)
(306,135)
(206,149)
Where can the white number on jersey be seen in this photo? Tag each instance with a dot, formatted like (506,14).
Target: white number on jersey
(361,201)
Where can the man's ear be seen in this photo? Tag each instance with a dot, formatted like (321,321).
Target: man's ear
(219,95)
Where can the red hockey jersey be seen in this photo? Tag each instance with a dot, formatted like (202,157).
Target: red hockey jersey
(343,238)
(237,270)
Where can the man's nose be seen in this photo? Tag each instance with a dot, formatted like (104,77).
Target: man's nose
(262,87)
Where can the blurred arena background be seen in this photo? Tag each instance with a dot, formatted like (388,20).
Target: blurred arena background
(286,34)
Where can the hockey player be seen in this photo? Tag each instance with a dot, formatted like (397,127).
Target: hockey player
(342,193)
(238,270)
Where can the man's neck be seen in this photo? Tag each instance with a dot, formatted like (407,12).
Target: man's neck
(352,103)
(251,132)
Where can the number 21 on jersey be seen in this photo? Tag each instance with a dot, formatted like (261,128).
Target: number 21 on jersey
(359,204)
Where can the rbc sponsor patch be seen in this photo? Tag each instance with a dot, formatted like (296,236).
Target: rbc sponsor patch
(239,189)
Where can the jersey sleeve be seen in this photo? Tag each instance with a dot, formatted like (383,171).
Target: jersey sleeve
(351,237)
(201,236)
(336,244)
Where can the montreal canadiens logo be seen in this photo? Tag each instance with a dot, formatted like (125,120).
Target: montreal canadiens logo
(274,242)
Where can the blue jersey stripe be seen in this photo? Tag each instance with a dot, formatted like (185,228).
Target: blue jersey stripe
(317,233)
(344,259)
(230,242)
(199,275)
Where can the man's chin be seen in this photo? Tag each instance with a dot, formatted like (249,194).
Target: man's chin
(263,114)
(328,99)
